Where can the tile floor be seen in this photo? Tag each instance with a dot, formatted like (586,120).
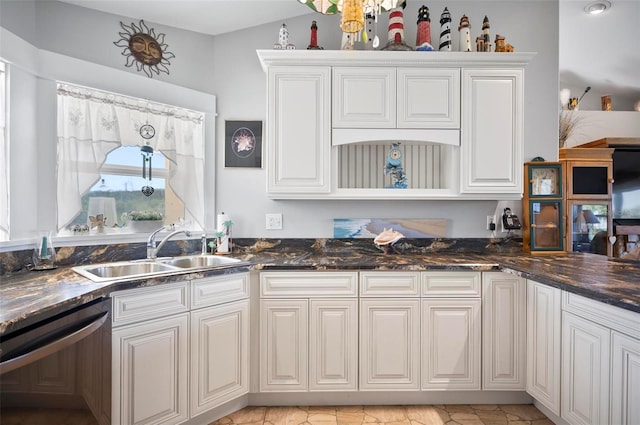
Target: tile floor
(451,414)
(517,414)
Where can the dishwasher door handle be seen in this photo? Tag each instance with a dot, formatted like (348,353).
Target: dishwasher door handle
(52,347)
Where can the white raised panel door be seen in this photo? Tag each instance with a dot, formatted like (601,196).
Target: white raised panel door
(364,97)
(503,331)
(333,345)
(451,344)
(219,355)
(150,372)
(428,98)
(90,353)
(298,135)
(585,371)
(492,140)
(625,380)
(389,344)
(544,305)
(283,345)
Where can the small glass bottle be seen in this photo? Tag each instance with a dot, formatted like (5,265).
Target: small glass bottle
(44,254)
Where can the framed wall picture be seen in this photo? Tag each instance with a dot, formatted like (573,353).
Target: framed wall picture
(243,144)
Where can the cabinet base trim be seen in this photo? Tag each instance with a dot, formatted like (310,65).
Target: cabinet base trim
(389,397)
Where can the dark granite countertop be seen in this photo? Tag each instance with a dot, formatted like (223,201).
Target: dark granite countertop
(27,297)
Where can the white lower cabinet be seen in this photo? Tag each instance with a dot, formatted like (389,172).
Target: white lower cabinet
(219,355)
(585,371)
(600,363)
(308,331)
(544,304)
(451,344)
(150,371)
(179,350)
(625,379)
(503,331)
(389,344)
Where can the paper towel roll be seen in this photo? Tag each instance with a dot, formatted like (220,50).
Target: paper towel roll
(223,246)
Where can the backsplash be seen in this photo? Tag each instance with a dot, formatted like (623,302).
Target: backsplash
(17,261)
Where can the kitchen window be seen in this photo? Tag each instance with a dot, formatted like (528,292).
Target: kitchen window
(104,171)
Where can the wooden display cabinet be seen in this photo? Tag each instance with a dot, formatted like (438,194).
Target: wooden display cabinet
(588,173)
(542,207)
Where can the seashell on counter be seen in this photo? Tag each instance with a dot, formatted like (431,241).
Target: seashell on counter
(387,238)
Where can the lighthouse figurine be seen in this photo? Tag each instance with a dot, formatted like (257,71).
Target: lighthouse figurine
(445,31)
(283,39)
(423,36)
(465,34)
(313,43)
(486,37)
(396,30)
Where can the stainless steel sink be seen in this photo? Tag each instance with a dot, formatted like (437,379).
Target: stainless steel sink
(147,268)
(200,261)
(123,270)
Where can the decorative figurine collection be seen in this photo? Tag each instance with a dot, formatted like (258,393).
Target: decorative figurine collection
(359,24)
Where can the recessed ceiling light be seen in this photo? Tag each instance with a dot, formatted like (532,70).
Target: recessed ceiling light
(597,7)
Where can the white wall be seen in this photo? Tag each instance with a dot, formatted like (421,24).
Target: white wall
(228,67)
(241,86)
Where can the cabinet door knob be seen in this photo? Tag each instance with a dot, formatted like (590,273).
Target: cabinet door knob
(611,180)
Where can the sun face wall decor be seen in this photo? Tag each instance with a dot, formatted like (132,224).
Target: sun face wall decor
(143,47)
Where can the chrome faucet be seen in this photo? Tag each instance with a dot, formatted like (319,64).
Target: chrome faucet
(152,250)
(203,241)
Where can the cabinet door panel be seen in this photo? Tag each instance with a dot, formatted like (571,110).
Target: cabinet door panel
(151,386)
(503,336)
(492,142)
(451,344)
(283,345)
(428,98)
(364,97)
(543,344)
(333,345)
(389,344)
(585,371)
(625,380)
(298,145)
(219,355)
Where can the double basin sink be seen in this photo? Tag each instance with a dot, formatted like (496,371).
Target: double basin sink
(146,268)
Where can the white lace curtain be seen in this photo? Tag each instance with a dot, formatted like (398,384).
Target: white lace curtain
(92,123)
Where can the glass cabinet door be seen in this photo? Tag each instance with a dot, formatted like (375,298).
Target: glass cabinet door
(546,225)
(589,225)
(545,180)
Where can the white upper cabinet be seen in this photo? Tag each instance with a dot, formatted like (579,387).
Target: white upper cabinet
(492,140)
(389,97)
(298,129)
(332,117)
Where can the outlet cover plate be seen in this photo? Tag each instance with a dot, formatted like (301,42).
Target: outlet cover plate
(274,221)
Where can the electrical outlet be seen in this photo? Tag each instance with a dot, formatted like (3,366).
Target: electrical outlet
(491,219)
(274,221)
